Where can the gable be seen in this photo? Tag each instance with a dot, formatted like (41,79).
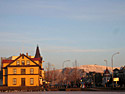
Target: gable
(22,60)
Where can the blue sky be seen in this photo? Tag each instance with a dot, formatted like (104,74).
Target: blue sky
(88,31)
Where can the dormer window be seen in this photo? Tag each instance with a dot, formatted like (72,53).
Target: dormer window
(28,62)
(23,62)
(22,57)
(18,62)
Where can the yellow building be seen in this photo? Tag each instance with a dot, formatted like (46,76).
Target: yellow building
(24,70)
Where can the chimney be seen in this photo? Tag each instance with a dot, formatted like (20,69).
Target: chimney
(26,54)
(20,54)
(29,56)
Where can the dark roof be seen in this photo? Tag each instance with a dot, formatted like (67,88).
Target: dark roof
(122,69)
(7,61)
(37,55)
(35,59)
(106,71)
(116,69)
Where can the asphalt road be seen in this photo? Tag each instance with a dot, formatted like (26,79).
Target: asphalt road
(63,92)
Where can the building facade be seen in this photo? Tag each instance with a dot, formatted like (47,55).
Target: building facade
(106,77)
(23,70)
(122,76)
(115,73)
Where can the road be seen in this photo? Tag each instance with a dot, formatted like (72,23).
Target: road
(63,92)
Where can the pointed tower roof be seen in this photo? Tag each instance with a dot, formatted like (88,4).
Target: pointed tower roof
(106,71)
(37,55)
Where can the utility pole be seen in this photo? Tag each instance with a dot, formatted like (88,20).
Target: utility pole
(106,68)
(112,66)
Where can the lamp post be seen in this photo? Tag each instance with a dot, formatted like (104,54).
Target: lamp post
(106,80)
(64,62)
(112,65)
(63,66)
(106,62)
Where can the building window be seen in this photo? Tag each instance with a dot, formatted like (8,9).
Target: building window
(28,62)
(31,81)
(31,71)
(14,71)
(23,62)
(22,57)
(18,62)
(14,81)
(23,71)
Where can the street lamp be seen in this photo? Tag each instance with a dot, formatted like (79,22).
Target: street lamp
(112,65)
(106,80)
(64,62)
(63,66)
(106,62)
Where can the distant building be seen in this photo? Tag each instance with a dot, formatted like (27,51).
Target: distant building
(122,76)
(23,70)
(98,79)
(106,77)
(116,77)
(1,77)
(93,79)
(89,81)
(115,73)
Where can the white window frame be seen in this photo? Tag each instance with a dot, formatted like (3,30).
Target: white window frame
(31,81)
(14,71)
(31,71)
(14,81)
(18,62)
(22,61)
(28,62)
